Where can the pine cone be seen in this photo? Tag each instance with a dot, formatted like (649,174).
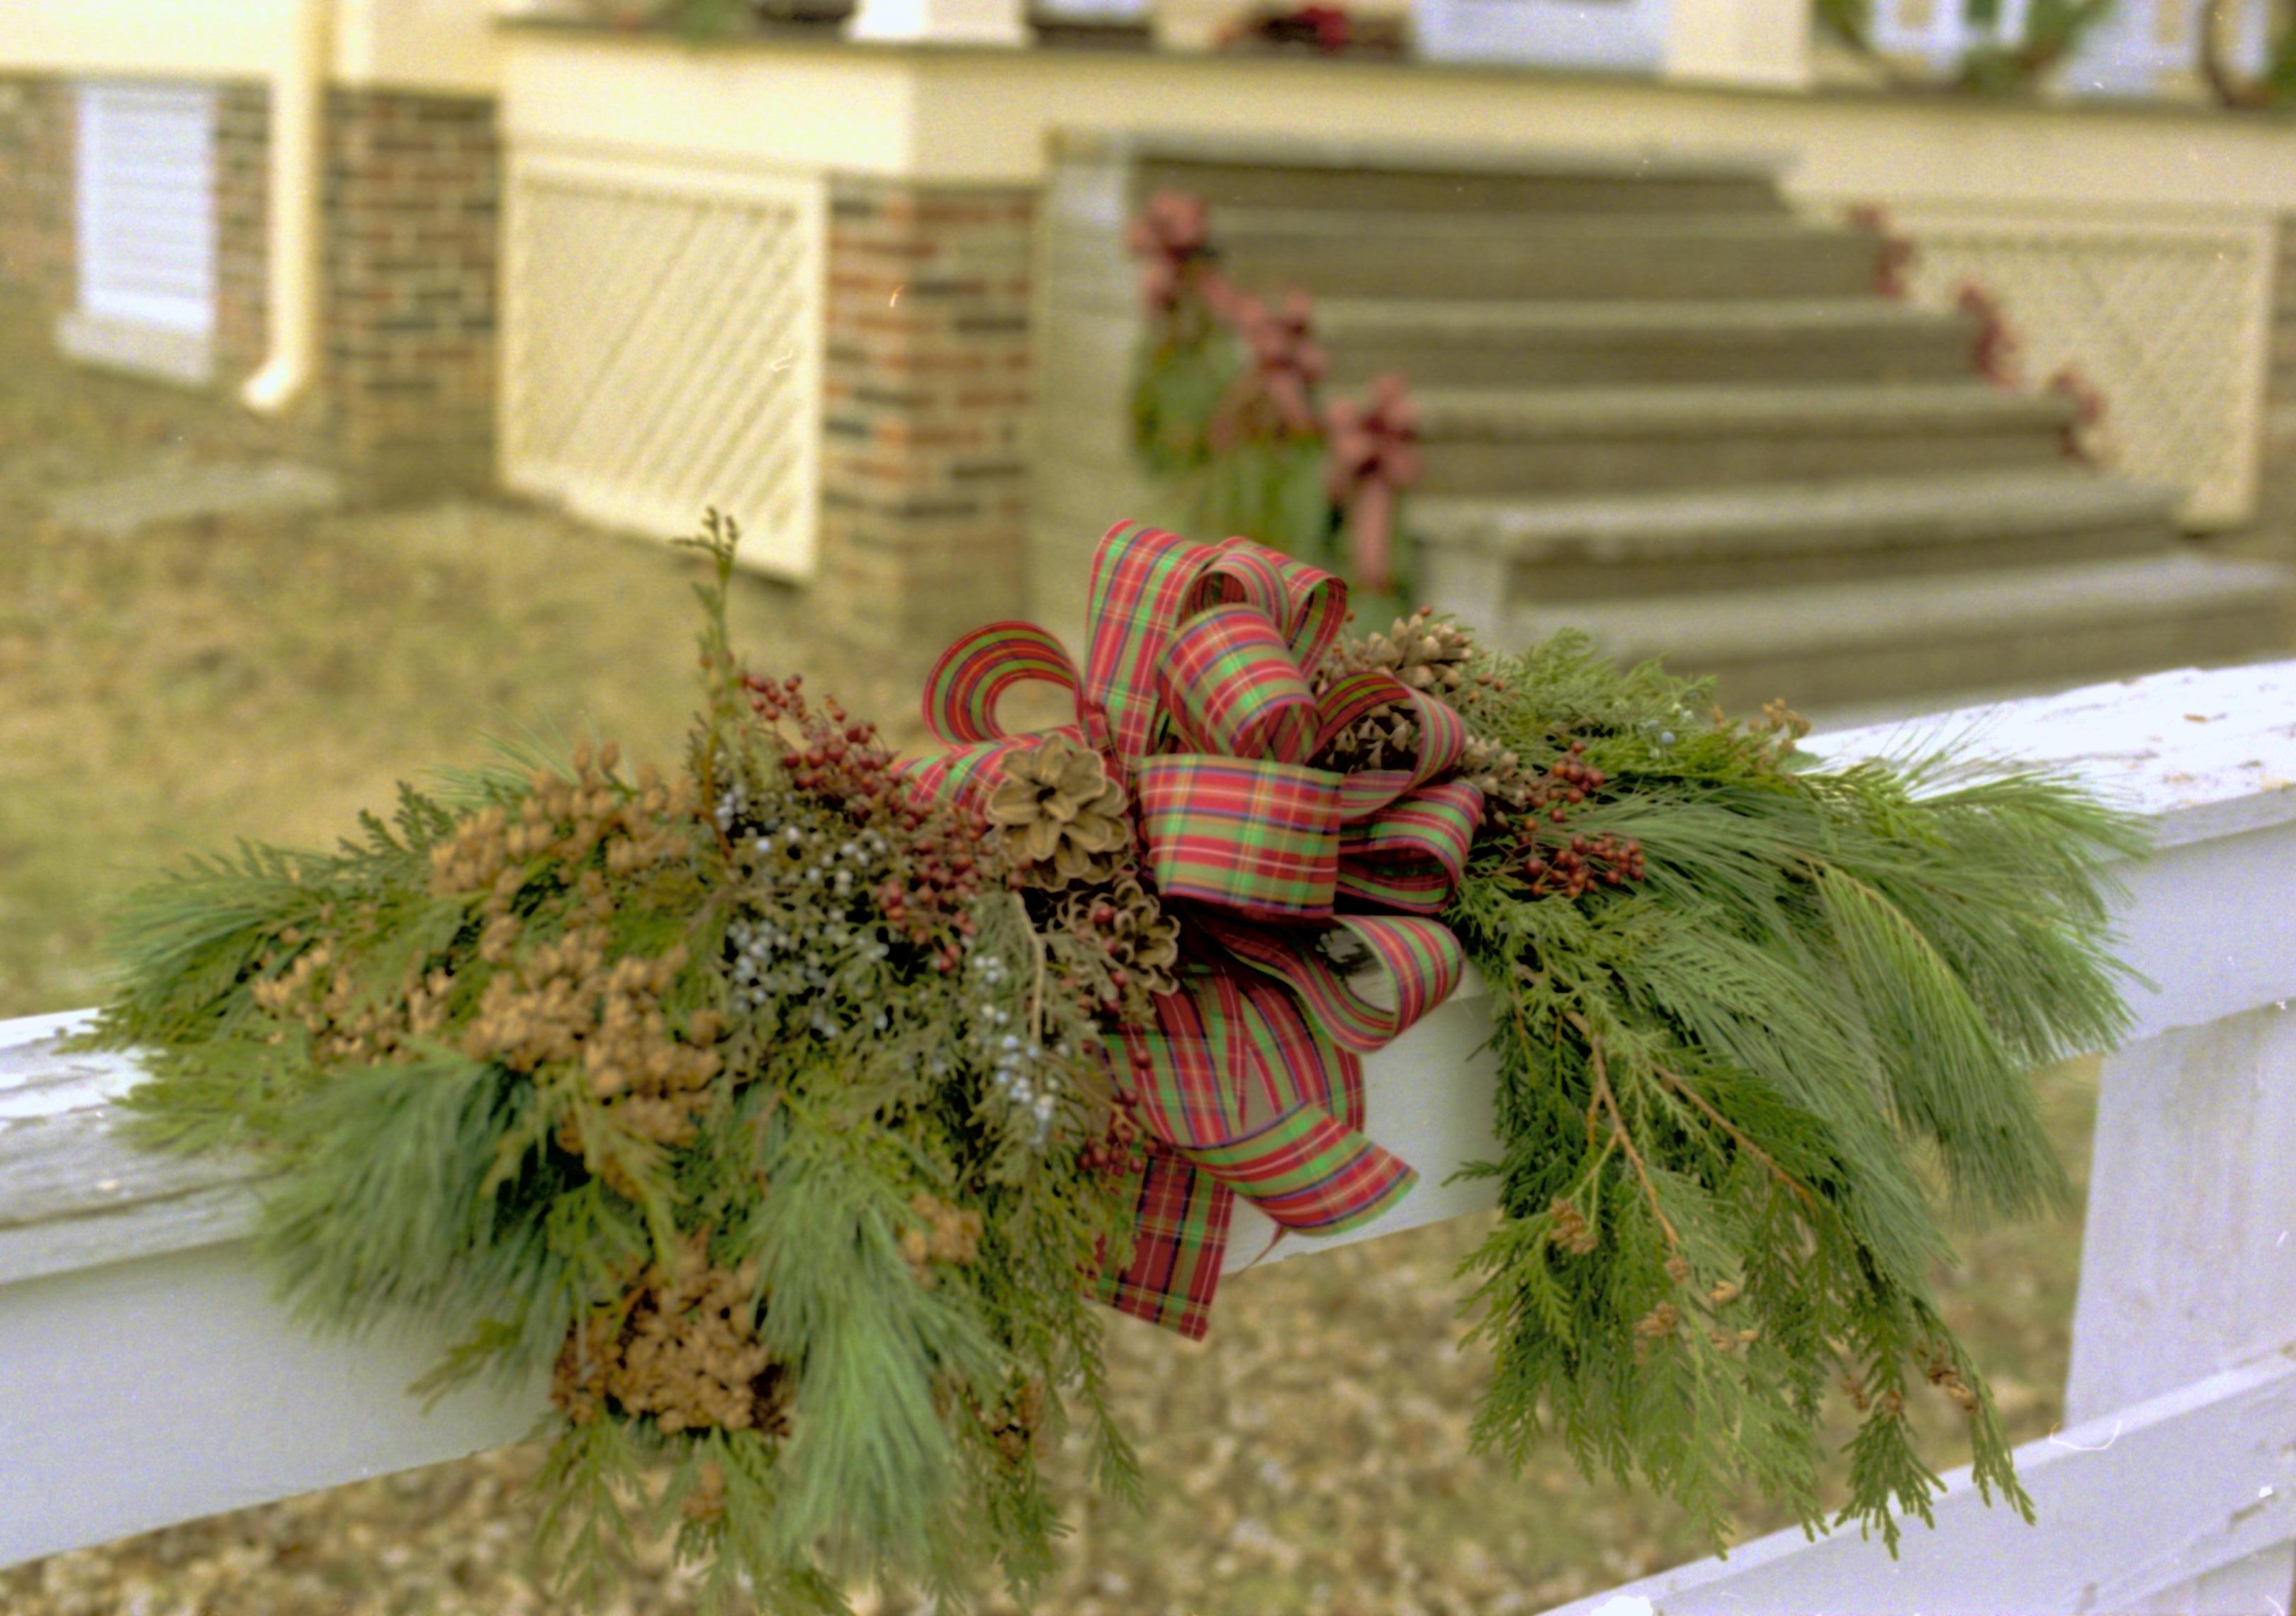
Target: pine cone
(1142,938)
(1496,773)
(1423,651)
(1120,944)
(1061,814)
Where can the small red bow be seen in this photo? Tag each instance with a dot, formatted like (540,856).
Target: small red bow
(1287,363)
(1375,455)
(2088,409)
(1894,254)
(1172,236)
(1996,346)
(1328,23)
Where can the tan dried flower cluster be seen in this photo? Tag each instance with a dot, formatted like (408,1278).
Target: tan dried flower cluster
(1722,1292)
(1778,719)
(1655,1329)
(1570,1228)
(947,1233)
(1060,816)
(318,992)
(1659,1322)
(1947,1378)
(682,1347)
(563,1004)
(1012,1425)
(706,1503)
(565,820)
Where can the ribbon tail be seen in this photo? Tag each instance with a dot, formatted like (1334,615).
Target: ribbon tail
(1241,1095)
(1179,1240)
(1371,533)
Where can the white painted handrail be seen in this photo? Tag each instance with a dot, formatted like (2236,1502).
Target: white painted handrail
(150,1379)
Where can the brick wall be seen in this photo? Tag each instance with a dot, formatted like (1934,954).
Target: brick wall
(36,134)
(924,470)
(242,332)
(2276,503)
(412,205)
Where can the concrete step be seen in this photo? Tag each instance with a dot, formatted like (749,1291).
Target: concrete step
(1823,645)
(1574,439)
(1763,535)
(1391,175)
(1439,343)
(1430,255)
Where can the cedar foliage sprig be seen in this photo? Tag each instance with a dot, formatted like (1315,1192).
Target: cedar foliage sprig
(1723,1064)
(703,1099)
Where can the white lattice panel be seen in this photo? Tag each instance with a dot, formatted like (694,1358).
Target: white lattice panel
(2169,318)
(662,347)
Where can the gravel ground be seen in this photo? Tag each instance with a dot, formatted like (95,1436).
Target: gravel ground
(270,674)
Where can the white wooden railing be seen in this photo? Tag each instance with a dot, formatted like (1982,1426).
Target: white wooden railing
(147,1377)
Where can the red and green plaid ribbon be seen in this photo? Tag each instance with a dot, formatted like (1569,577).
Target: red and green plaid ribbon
(1198,688)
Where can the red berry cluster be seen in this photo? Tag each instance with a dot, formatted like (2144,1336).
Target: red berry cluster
(843,763)
(1567,783)
(1110,1154)
(1584,863)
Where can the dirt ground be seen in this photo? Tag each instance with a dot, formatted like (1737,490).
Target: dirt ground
(268,675)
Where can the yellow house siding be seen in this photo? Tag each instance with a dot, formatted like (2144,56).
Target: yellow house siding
(212,39)
(437,46)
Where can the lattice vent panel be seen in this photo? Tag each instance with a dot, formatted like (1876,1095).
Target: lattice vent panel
(662,349)
(2168,321)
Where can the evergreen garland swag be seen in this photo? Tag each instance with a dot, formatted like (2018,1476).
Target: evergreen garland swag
(766,1108)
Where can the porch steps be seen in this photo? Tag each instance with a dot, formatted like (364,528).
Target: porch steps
(1874,638)
(1570,440)
(1769,534)
(1526,254)
(1355,177)
(1562,341)
(1657,404)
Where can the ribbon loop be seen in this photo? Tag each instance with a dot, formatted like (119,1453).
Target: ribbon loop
(961,693)
(1260,840)
(1231,686)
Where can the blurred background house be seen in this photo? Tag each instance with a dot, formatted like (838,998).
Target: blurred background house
(1753,331)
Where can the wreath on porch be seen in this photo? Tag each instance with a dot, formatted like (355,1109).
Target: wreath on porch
(788,1110)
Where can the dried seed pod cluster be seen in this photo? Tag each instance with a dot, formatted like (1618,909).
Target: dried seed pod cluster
(680,1347)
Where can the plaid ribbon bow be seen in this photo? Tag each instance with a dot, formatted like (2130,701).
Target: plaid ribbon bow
(1198,689)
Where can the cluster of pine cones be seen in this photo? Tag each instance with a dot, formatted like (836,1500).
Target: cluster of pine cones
(1064,823)
(1431,654)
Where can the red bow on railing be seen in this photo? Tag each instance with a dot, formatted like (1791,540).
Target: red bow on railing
(1375,455)
(1894,254)
(1994,348)
(1171,236)
(1287,364)
(1198,691)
